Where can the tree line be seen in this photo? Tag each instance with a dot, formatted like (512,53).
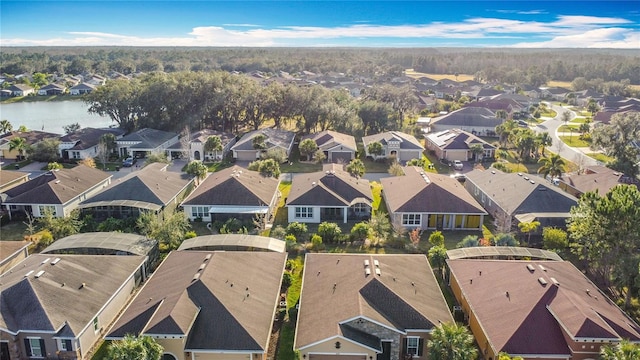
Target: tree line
(502,65)
(235,102)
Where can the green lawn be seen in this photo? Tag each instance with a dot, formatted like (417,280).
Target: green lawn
(574,141)
(600,157)
(216,166)
(549,113)
(281,217)
(567,128)
(287,332)
(296,166)
(580,120)
(378,203)
(13,231)
(39,98)
(11,165)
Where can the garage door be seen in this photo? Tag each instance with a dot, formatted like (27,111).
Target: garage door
(245,155)
(341,156)
(337,357)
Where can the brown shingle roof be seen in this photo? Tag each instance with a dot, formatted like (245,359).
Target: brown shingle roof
(230,306)
(8,176)
(406,141)
(331,187)
(57,187)
(44,303)
(404,296)
(530,319)
(328,139)
(598,178)
(234,186)
(435,194)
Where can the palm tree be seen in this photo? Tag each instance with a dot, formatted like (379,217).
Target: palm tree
(139,348)
(622,351)
(451,342)
(19,144)
(356,168)
(552,166)
(544,139)
(5,126)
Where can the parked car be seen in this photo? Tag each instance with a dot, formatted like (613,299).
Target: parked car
(129,162)
(457,164)
(460,177)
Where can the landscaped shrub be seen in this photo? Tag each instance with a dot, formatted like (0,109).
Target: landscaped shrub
(278,232)
(287,279)
(316,242)
(330,232)
(297,229)
(360,231)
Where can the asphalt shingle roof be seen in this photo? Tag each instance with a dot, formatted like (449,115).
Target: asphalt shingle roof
(331,187)
(469,116)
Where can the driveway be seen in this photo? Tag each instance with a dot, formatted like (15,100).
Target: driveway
(572,154)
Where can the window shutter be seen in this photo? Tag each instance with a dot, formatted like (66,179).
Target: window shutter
(404,346)
(27,347)
(42,348)
(420,346)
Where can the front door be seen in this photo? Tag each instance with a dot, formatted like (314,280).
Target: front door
(386,351)
(4,351)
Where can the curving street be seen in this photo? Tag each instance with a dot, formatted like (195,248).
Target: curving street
(571,154)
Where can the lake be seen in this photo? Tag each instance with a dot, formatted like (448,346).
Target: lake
(52,116)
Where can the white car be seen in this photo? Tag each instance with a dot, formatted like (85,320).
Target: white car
(457,164)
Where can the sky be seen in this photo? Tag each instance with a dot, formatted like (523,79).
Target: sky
(514,24)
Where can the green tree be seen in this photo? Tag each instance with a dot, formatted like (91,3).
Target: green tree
(279,155)
(417,162)
(61,226)
(259,142)
(71,128)
(451,342)
(5,127)
(554,239)
(477,150)
(505,239)
(505,356)
(40,79)
(361,231)
(395,169)
(566,117)
(213,144)
(135,348)
(437,257)
(316,242)
(156,157)
(468,241)
(625,350)
(528,227)
(592,107)
(616,138)
(169,231)
(18,144)
(197,169)
(266,167)
(356,168)
(552,166)
(436,238)
(319,156)
(605,234)
(380,226)
(544,139)
(307,147)
(297,229)
(45,151)
(501,114)
(330,232)
(119,100)
(54,166)
(375,148)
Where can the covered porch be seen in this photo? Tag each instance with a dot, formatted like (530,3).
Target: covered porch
(359,210)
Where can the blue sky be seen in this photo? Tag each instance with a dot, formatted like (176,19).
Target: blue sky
(520,24)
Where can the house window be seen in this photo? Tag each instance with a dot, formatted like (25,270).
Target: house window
(412,219)
(304,212)
(96,326)
(413,345)
(360,208)
(34,347)
(47,208)
(76,154)
(66,345)
(199,211)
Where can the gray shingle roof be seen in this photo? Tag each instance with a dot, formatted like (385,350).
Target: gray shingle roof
(328,139)
(147,138)
(331,187)
(88,137)
(274,138)
(406,141)
(469,116)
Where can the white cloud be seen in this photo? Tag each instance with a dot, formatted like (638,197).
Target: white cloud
(566,31)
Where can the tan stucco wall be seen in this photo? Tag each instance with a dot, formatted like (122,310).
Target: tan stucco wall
(346,348)
(174,347)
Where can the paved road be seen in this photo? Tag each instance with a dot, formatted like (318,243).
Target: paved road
(572,154)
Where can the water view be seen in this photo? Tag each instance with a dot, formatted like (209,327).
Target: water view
(51,116)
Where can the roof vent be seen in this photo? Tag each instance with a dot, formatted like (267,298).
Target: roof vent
(542,281)
(196,277)
(493,172)
(542,268)
(519,174)
(57,182)
(378,271)
(376,263)
(39,273)
(313,183)
(531,181)
(45,261)
(555,282)
(29,273)
(366,263)
(55,261)
(367,271)
(526,178)
(202,267)
(207,257)
(531,268)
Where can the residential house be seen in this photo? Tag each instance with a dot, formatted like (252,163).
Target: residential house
(456,144)
(593,178)
(10,179)
(151,188)
(245,150)
(144,141)
(108,243)
(476,120)
(329,195)
(60,306)
(395,144)
(82,89)
(512,198)
(364,306)
(31,138)
(208,305)
(52,89)
(21,90)
(234,192)
(420,200)
(57,191)
(12,253)
(537,309)
(198,139)
(83,143)
(337,147)
(554,93)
